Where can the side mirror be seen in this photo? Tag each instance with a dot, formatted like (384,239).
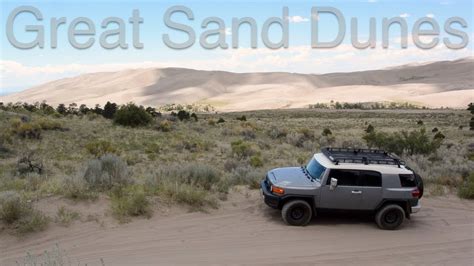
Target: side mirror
(333,184)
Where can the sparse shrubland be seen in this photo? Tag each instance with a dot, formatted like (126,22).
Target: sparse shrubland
(146,159)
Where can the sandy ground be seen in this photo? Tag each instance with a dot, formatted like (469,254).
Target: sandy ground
(244,231)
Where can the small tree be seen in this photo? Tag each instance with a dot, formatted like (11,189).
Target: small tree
(132,115)
(61,109)
(109,110)
(183,115)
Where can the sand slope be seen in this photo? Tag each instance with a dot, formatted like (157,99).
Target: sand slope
(447,83)
(245,231)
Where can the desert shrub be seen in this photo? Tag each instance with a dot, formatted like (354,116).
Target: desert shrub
(434,130)
(76,188)
(256,161)
(220,121)
(230,164)
(439,136)
(132,115)
(248,133)
(109,110)
(195,117)
(29,163)
(99,148)
(65,216)
(183,115)
(242,118)
(295,139)
(130,201)
(277,132)
(420,122)
(12,208)
(35,221)
(15,211)
(466,190)
(245,175)
(106,172)
(200,175)
(211,122)
(165,125)
(370,129)
(187,194)
(26,129)
(242,149)
(326,132)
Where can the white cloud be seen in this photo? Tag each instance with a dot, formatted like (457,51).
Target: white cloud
(297,19)
(404,15)
(430,15)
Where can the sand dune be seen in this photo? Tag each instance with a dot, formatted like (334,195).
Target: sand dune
(446,83)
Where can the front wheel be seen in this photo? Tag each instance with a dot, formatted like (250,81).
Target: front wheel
(390,217)
(297,213)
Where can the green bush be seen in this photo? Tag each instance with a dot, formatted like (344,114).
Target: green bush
(132,115)
(130,201)
(100,148)
(256,161)
(414,142)
(326,132)
(242,149)
(466,190)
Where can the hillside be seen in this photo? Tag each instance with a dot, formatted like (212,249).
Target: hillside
(446,83)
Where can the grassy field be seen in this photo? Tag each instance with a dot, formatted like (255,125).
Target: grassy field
(194,163)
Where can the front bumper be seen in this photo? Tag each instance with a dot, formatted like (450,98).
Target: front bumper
(268,197)
(417,208)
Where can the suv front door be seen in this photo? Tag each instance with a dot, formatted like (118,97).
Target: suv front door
(347,195)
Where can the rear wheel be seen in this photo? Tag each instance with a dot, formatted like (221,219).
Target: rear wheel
(390,217)
(297,212)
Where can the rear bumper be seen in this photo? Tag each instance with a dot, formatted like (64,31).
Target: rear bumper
(269,198)
(417,208)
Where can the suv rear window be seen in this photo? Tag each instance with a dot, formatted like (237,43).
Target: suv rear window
(370,179)
(407,180)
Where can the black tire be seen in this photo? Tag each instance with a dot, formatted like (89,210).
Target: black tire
(297,213)
(390,217)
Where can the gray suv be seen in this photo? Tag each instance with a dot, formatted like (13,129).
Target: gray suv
(345,179)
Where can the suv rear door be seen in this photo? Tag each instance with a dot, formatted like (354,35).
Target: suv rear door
(370,185)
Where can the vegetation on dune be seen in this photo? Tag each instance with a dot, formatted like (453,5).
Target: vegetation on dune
(136,157)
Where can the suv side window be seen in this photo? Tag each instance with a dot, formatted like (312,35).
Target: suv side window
(344,177)
(370,179)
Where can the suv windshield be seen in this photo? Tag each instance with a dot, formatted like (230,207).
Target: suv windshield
(315,170)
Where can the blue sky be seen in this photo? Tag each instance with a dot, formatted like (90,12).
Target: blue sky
(21,69)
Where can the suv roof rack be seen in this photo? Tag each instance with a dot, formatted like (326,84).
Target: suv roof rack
(361,156)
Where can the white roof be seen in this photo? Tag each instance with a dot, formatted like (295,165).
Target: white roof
(382,168)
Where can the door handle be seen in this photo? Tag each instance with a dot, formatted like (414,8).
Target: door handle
(356,192)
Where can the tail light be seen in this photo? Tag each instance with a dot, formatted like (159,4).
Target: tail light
(415,193)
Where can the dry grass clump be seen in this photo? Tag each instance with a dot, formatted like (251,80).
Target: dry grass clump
(19,215)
